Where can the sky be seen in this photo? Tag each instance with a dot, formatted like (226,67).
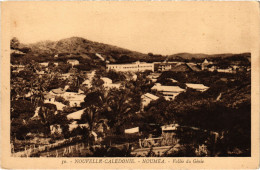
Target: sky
(158,27)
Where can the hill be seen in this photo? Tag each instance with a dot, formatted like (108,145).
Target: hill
(80,46)
(213,57)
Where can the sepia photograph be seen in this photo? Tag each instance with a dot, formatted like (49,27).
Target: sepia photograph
(122,79)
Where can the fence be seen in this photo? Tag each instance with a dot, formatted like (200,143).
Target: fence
(32,150)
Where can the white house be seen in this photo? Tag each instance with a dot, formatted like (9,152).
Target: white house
(132,130)
(147,98)
(227,70)
(198,87)
(131,67)
(73,62)
(170,127)
(87,83)
(169,92)
(75,115)
(108,83)
(44,64)
(154,76)
(18,68)
(75,99)
(106,80)
(59,105)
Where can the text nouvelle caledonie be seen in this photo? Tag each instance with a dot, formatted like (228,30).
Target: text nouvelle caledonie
(132,160)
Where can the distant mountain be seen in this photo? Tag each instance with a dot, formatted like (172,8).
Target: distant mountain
(201,56)
(78,46)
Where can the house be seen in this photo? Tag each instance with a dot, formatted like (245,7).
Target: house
(131,67)
(59,105)
(169,92)
(165,66)
(181,68)
(87,83)
(227,70)
(17,68)
(193,66)
(171,127)
(212,68)
(198,87)
(89,74)
(147,98)
(58,91)
(169,133)
(130,76)
(106,80)
(75,125)
(44,64)
(154,76)
(172,80)
(132,130)
(113,85)
(76,115)
(75,99)
(17,52)
(40,72)
(73,62)
(205,64)
(55,129)
(108,83)
(65,76)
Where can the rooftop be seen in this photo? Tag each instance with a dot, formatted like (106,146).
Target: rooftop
(76,115)
(58,91)
(151,96)
(196,86)
(168,88)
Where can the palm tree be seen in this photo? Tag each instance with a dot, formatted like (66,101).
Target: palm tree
(122,105)
(94,103)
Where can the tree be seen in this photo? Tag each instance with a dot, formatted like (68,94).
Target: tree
(155,112)
(18,129)
(93,104)
(22,108)
(122,106)
(47,115)
(64,67)
(115,76)
(14,44)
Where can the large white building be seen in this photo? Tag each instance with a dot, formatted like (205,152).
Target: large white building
(132,67)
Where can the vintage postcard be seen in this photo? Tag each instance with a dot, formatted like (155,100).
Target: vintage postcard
(129,85)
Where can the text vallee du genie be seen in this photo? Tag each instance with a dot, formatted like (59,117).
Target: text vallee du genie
(131,160)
